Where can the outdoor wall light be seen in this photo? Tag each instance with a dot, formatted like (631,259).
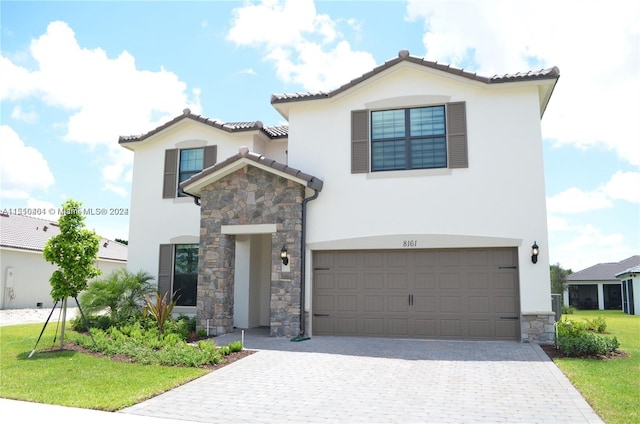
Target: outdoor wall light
(284,255)
(534,252)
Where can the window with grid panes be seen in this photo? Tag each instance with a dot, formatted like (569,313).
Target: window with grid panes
(191,162)
(413,138)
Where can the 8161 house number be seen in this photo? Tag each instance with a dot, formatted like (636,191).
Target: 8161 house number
(410,243)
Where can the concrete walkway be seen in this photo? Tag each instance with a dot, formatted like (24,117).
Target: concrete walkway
(358,380)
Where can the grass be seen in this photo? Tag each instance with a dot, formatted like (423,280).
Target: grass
(612,387)
(75,379)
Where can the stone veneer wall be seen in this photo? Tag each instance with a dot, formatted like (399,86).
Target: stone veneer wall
(249,196)
(538,328)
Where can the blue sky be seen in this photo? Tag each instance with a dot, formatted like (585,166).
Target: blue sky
(76,75)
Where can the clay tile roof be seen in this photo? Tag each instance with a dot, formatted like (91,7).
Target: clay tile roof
(605,271)
(312,182)
(272,132)
(403,55)
(28,233)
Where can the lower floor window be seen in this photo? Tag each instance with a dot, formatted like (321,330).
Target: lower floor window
(185,274)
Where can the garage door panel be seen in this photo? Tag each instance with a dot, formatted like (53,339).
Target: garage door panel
(374,303)
(324,303)
(373,259)
(451,328)
(507,330)
(446,293)
(398,281)
(424,281)
(424,304)
(478,258)
(504,281)
(480,328)
(347,326)
(479,304)
(505,304)
(398,326)
(396,259)
(325,281)
(374,327)
(348,281)
(479,281)
(449,281)
(348,304)
(398,303)
(426,327)
(450,258)
(347,260)
(450,304)
(373,281)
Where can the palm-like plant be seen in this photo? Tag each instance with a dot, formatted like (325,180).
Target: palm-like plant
(160,309)
(121,294)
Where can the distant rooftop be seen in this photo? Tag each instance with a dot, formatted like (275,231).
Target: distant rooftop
(29,233)
(605,271)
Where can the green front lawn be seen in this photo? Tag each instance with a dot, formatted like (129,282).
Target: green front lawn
(612,387)
(75,379)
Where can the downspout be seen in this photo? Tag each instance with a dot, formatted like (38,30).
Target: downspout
(303,266)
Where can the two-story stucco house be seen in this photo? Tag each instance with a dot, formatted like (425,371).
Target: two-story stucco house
(402,204)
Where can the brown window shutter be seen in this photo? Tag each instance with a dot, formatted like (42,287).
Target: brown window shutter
(457,135)
(210,156)
(359,141)
(165,269)
(170,174)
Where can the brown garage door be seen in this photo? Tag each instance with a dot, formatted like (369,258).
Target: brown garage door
(447,293)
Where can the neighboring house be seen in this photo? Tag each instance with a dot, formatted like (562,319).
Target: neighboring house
(599,287)
(24,282)
(404,204)
(630,282)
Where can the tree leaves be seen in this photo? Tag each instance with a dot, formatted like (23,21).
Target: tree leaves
(74,250)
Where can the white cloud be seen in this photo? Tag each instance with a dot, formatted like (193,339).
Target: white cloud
(23,169)
(119,190)
(592,104)
(306,47)
(622,186)
(106,97)
(574,200)
(587,245)
(28,117)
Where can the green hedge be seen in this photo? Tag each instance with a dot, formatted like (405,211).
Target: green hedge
(577,338)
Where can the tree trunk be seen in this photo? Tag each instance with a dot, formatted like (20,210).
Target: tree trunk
(64,322)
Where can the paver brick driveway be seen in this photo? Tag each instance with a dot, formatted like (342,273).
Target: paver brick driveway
(351,380)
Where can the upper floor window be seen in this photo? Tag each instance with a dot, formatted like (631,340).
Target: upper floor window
(411,138)
(408,139)
(191,162)
(182,164)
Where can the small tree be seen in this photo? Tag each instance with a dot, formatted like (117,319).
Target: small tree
(75,251)
(558,277)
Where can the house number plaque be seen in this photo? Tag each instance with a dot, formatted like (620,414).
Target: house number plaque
(410,243)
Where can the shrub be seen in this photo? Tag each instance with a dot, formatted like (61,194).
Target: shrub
(567,310)
(120,294)
(599,325)
(577,339)
(94,321)
(144,346)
